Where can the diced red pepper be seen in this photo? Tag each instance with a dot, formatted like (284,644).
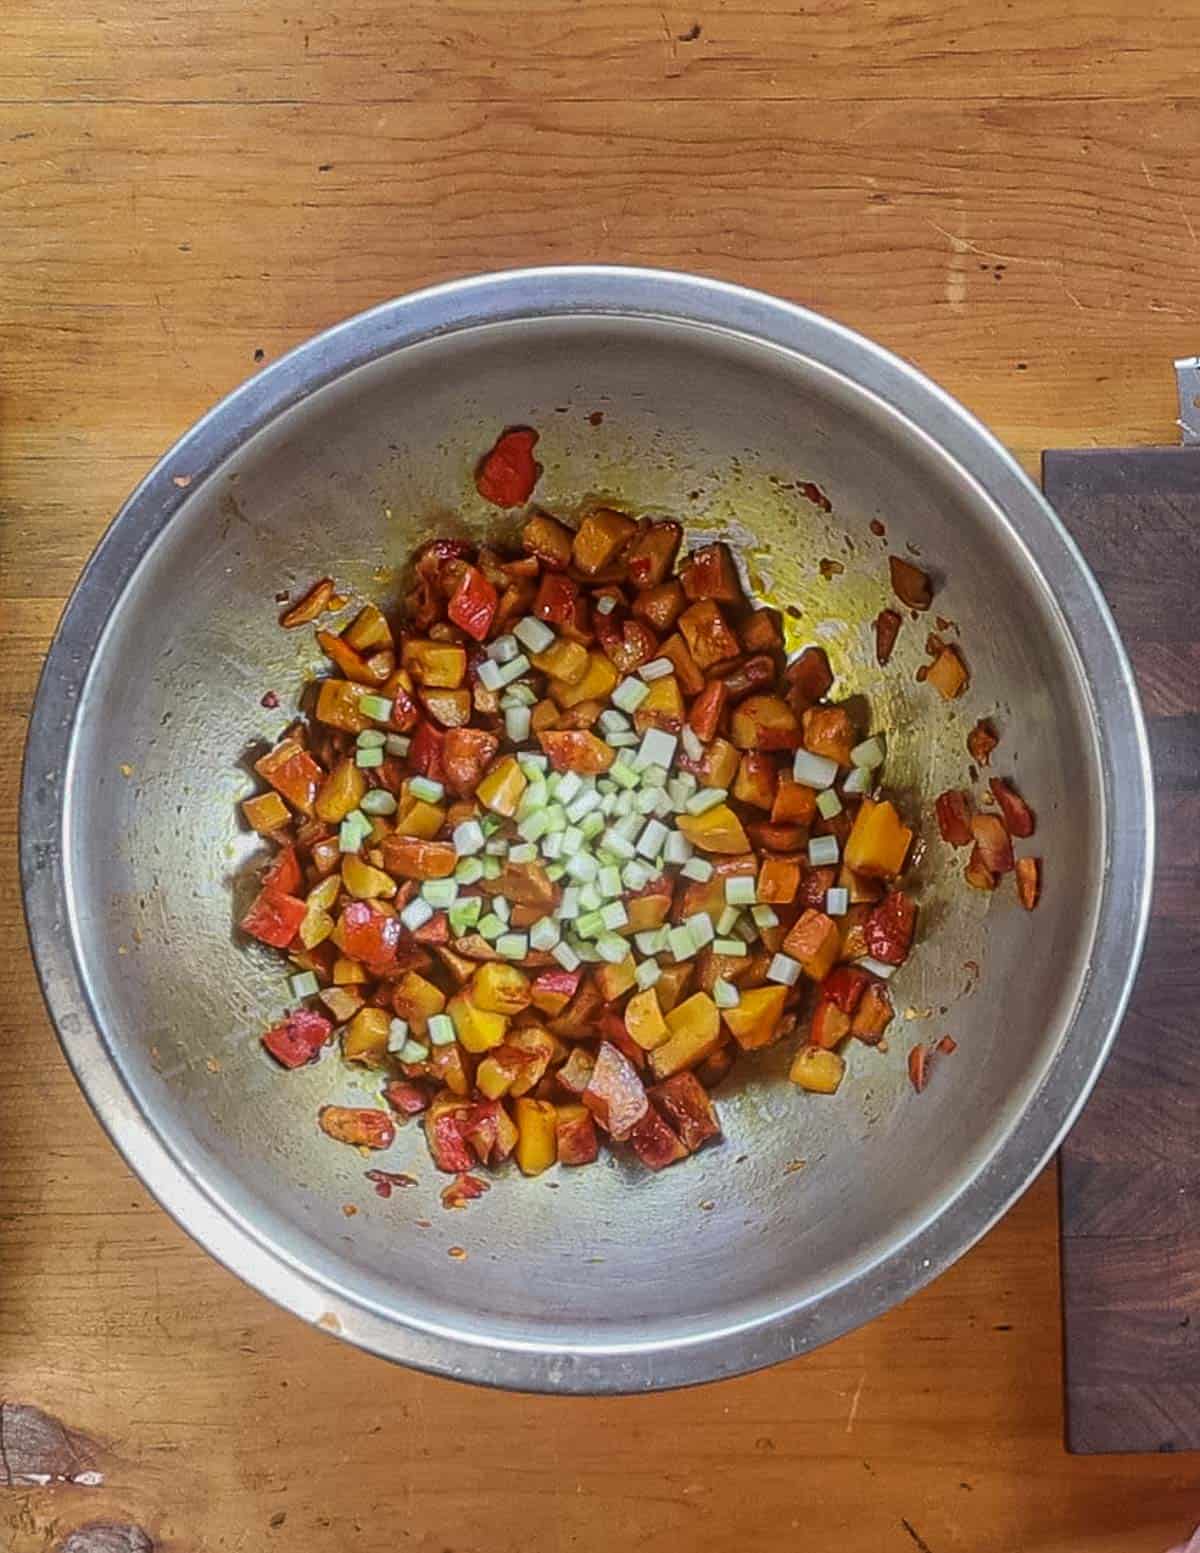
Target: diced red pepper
(830,1025)
(298,1038)
(462,1190)
(707,710)
(953,809)
(1018,816)
(918,1067)
(508,474)
(444,1134)
(466,755)
(1029,881)
(628,643)
(473,605)
(283,875)
(889,928)
(844,987)
(815,884)
(810,678)
(425,752)
(274,918)
(981,741)
(405,711)
(435,931)
(615,1095)
(887,628)
(370,936)
(655,1143)
(407,1099)
(561,602)
(992,843)
(684,1102)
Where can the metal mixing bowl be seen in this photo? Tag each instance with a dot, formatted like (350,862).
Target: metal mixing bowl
(716,404)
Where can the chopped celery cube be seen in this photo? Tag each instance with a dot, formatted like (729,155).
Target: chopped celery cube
(303,985)
(440,893)
(491,925)
(764,917)
(647,974)
(441,1029)
(565,956)
(464,914)
(733,947)
(416,914)
(513,946)
(741,890)
(468,838)
(656,749)
(365,759)
(700,928)
(698,868)
(728,920)
(612,949)
(533,634)
(630,694)
(523,852)
(426,789)
(680,942)
(504,649)
(544,933)
(614,916)
(725,994)
(370,739)
(828,804)
(397,1035)
(707,798)
(469,871)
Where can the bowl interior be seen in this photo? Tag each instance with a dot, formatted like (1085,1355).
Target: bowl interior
(664,417)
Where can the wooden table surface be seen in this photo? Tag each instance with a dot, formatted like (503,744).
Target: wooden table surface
(1006,196)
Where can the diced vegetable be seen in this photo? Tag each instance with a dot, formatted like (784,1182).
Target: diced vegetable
(817,1070)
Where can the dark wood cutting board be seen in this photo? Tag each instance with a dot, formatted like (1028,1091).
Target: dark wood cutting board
(1130,1170)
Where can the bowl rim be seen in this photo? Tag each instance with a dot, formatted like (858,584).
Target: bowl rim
(726,1348)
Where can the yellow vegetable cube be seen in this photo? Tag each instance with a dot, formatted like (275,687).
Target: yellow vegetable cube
(596,685)
(754,1021)
(364,882)
(442,665)
(716,830)
(502,788)
(500,989)
(266,812)
(878,843)
(695,1033)
(614,981)
(537,1142)
(417,818)
(477,1028)
(340,792)
(366,1037)
(644,1020)
(417,1000)
(563,660)
(662,707)
(817,1070)
(315,927)
(348,973)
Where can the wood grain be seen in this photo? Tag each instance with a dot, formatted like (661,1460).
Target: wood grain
(1131,1235)
(1006,196)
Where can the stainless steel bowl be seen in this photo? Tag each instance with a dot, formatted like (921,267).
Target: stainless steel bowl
(717,405)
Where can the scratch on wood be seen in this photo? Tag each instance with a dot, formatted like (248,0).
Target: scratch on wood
(855,1400)
(672,68)
(916,1536)
(36,1449)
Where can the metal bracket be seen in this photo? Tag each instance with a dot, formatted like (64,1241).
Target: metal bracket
(1187,381)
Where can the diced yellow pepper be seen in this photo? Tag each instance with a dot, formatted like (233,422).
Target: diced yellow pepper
(342,1002)
(417,1000)
(754,1021)
(644,1020)
(494,1077)
(477,1028)
(417,818)
(366,1037)
(878,843)
(599,538)
(695,1032)
(817,1070)
(364,882)
(563,660)
(596,685)
(340,792)
(537,1142)
(324,895)
(500,989)
(337,705)
(716,830)
(662,708)
(502,788)
(439,664)
(348,973)
(369,630)
(315,927)
(614,981)
(266,812)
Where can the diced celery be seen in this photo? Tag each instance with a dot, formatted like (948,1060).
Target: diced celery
(619,845)
(609,882)
(378,708)
(397,1035)
(741,890)
(680,943)
(814,770)
(652,838)
(656,749)
(441,1030)
(612,949)
(397,744)
(464,914)
(860,780)
(876,967)
(652,940)
(413,1051)
(630,694)
(590,898)
(707,798)
(645,800)
(378,801)
(467,838)
(698,868)
(582,866)
(621,741)
(370,739)
(728,920)
(569,907)
(533,634)
(869,754)
(764,917)
(565,956)
(784,969)
(734,947)
(502,907)
(517,723)
(591,825)
(657,668)
(828,804)
(699,925)
(469,871)
(647,974)
(504,649)
(534,826)
(303,984)
(513,946)
(514,669)
(440,893)
(497,847)
(492,868)
(366,759)
(677,847)
(823,850)
(416,914)
(625,776)
(590,924)
(523,852)
(586,802)
(612,721)
(837,902)
(491,926)
(489,673)
(614,916)
(725,994)
(692,747)
(552,845)
(544,933)
(570,783)
(554,872)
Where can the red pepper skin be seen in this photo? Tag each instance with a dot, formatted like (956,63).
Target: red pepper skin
(274,918)
(889,928)
(298,1038)
(844,987)
(507,475)
(425,753)
(473,605)
(369,936)
(283,875)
